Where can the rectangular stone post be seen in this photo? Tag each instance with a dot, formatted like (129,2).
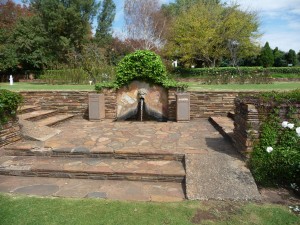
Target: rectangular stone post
(96,106)
(182,107)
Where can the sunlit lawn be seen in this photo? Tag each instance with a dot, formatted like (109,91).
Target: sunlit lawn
(17,210)
(44,87)
(277,86)
(193,86)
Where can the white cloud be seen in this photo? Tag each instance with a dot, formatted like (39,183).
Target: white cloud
(280,21)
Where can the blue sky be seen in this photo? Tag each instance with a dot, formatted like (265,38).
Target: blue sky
(280,20)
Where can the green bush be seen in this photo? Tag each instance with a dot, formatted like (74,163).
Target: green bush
(284,70)
(225,75)
(9,102)
(141,65)
(275,159)
(65,76)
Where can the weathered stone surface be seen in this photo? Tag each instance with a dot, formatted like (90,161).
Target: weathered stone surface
(155,100)
(10,132)
(102,195)
(39,189)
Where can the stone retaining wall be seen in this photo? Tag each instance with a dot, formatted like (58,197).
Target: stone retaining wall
(10,132)
(203,104)
(75,102)
(247,121)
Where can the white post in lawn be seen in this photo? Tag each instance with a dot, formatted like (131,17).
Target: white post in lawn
(11,80)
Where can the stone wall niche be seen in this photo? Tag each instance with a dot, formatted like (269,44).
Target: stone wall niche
(137,97)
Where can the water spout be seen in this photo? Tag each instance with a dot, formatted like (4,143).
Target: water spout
(141,108)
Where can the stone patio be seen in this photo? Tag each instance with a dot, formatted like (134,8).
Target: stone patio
(145,150)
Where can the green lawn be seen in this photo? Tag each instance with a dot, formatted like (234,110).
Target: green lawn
(277,86)
(44,87)
(42,211)
(194,86)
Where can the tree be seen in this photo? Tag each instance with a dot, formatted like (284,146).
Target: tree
(67,24)
(105,19)
(298,56)
(31,43)
(182,6)
(144,23)
(291,57)
(279,58)
(209,31)
(10,14)
(266,56)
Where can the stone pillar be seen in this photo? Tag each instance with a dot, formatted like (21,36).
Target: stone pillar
(183,107)
(96,106)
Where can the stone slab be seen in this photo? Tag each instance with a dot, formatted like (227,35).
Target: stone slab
(79,188)
(32,131)
(219,176)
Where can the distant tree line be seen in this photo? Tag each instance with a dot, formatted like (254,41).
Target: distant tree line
(55,34)
(274,57)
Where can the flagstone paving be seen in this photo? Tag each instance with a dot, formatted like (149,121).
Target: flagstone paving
(214,169)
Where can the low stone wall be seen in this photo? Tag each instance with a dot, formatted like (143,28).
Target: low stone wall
(75,102)
(203,104)
(10,132)
(248,118)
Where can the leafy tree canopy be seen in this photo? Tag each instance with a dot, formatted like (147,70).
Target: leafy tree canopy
(105,19)
(204,32)
(266,56)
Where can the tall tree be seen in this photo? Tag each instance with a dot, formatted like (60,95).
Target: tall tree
(10,14)
(67,23)
(291,57)
(298,56)
(209,31)
(31,43)
(181,6)
(279,58)
(266,56)
(144,23)
(105,19)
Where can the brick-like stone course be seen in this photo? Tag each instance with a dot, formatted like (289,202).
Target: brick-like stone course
(74,102)
(248,118)
(10,132)
(203,104)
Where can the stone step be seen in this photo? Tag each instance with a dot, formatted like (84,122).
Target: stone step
(224,125)
(93,168)
(37,115)
(53,120)
(27,109)
(38,149)
(231,115)
(101,189)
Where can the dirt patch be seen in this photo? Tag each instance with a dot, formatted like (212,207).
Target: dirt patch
(216,210)
(279,196)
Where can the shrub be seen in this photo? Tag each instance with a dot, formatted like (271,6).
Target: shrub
(9,102)
(141,65)
(224,75)
(65,76)
(275,159)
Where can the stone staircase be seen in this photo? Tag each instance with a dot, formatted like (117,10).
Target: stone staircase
(162,176)
(42,117)
(162,172)
(79,163)
(224,125)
